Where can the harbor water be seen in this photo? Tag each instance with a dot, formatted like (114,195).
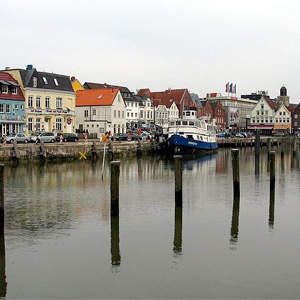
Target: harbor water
(61,243)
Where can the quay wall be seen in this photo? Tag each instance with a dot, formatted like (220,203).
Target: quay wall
(72,151)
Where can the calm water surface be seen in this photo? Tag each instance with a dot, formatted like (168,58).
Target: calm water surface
(60,242)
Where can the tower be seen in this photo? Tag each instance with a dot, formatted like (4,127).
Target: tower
(284,98)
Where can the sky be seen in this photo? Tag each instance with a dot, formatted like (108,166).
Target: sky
(159,44)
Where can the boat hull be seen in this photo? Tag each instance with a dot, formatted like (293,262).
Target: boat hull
(180,145)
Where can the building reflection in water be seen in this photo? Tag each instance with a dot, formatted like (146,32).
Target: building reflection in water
(235,221)
(177,246)
(115,243)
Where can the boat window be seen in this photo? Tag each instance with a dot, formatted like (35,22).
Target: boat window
(184,122)
(189,136)
(192,123)
(172,123)
(187,113)
(178,123)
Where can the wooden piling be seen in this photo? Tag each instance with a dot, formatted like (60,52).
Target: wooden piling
(235,220)
(115,241)
(272,170)
(294,146)
(178,179)
(1,199)
(94,151)
(114,188)
(235,172)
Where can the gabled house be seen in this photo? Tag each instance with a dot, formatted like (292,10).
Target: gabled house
(283,120)
(12,105)
(219,115)
(100,110)
(296,119)
(263,115)
(49,100)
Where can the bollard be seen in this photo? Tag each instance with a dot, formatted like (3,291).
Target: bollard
(294,146)
(1,200)
(235,172)
(178,180)
(114,188)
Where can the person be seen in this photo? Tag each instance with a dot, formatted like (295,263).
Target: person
(60,138)
(4,139)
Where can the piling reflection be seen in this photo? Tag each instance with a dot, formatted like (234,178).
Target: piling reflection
(235,221)
(3,284)
(177,245)
(115,242)
(271,209)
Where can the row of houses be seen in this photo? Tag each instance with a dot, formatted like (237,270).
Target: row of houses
(33,101)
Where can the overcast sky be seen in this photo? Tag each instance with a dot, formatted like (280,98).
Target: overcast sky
(195,44)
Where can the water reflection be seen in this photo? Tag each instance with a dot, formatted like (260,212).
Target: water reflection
(235,221)
(115,243)
(3,284)
(177,245)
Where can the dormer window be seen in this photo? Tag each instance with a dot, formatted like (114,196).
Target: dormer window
(34,82)
(55,81)
(14,90)
(4,89)
(45,80)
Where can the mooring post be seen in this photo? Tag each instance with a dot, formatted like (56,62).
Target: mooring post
(114,188)
(178,179)
(294,146)
(94,151)
(1,199)
(235,172)
(272,171)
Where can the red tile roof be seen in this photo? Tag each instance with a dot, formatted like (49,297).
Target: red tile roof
(8,78)
(96,97)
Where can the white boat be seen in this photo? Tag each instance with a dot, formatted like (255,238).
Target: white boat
(190,134)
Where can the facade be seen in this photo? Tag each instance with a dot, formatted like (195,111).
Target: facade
(49,100)
(282,120)
(146,111)
(100,110)
(12,105)
(262,116)
(237,111)
(132,112)
(296,119)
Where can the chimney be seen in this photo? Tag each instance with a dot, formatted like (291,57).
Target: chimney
(7,68)
(29,67)
(73,78)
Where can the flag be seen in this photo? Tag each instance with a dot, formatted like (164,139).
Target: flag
(234,89)
(230,88)
(227,87)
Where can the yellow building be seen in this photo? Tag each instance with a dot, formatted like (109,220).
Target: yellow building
(77,86)
(49,100)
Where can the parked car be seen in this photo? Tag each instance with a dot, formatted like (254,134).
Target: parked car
(121,137)
(46,137)
(33,137)
(17,137)
(67,137)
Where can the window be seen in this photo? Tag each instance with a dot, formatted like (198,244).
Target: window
(38,124)
(284,113)
(38,101)
(115,113)
(47,102)
(45,80)
(16,106)
(296,116)
(34,82)
(123,114)
(30,124)
(58,102)
(14,90)
(58,124)
(22,107)
(119,114)
(94,112)
(257,112)
(288,120)
(55,81)
(253,121)
(280,113)
(30,101)
(4,89)
(7,110)
(86,113)
(1,108)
